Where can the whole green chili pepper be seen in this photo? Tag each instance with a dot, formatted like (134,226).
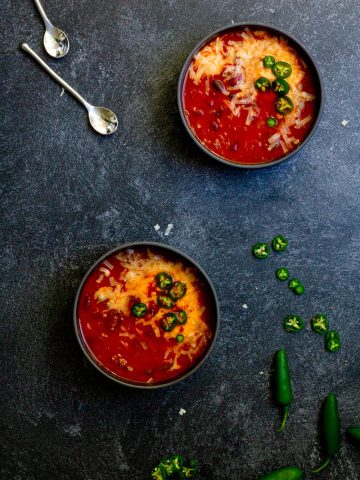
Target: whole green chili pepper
(354,433)
(330,424)
(285,473)
(282,384)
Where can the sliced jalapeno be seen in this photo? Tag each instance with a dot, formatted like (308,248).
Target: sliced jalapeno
(139,310)
(280,86)
(263,84)
(282,273)
(178,290)
(168,321)
(299,290)
(320,323)
(332,341)
(293,283)
(165,301)
(284,105)
(271,122)
(282,69)
(164,280)
(293,323)
(269,61)
(279,243)
(261,250)
(181,317)
(158,473)
(179,338)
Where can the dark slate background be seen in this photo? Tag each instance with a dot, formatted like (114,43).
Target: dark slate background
(68,195)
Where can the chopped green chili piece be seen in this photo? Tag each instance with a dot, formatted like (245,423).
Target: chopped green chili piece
(279,243)
(271,122)
(164,280)
(269,61)
(263,84)
(282,69)
(158,473)
(280,86)
(168,322)
(284,105)
(139,310)
(294,282)
(178,290)
(179,338)
(332,341)
(181,317)
(282,273)
(261,250)
(165,301)
(320,323)
(293,323)
(189,472)
(299,289)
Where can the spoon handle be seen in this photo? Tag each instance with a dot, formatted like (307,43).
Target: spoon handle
(51,72)
(42,13)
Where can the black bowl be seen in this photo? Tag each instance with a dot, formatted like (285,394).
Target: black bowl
(187,373)
(299,47)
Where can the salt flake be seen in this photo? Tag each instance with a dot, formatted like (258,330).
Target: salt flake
(62,92)
(157,227)
(244,306)
(344,122)
(182,411)
(168,229)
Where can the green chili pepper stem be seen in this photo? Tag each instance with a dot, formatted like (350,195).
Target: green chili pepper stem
(285,417)
(324,465)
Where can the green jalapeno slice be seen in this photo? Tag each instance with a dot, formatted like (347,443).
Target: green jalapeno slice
(263,84)
(168,322)
(293,283)
(282,69)
(279,243)
(332,341)
(269,61)
(293,323)
(139,310)
(178,290)
(282,273)
(164,280)
(181,317)
(179,338)
(158,473)
(189,472)
(320,323)
(284,105)
(280,86)
(271,122)
(165,301)
(299,289)
(261,250)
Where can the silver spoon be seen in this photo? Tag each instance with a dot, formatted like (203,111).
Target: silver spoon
(103,120)
(56,42)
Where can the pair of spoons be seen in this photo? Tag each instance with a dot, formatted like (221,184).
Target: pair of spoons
(56,43)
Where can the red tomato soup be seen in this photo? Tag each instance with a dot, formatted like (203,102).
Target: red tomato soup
(146,315)
(249,96)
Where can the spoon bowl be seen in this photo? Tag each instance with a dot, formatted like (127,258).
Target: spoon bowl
(56,42)
(103,120)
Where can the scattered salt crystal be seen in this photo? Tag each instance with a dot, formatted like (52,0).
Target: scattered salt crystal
(62,92)
(168,229)
(262,373)
(232,21)
(272,10)
(157,227)
(244,306)
(344,122)
(182,411)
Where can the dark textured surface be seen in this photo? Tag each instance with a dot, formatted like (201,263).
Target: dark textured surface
(69,195)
